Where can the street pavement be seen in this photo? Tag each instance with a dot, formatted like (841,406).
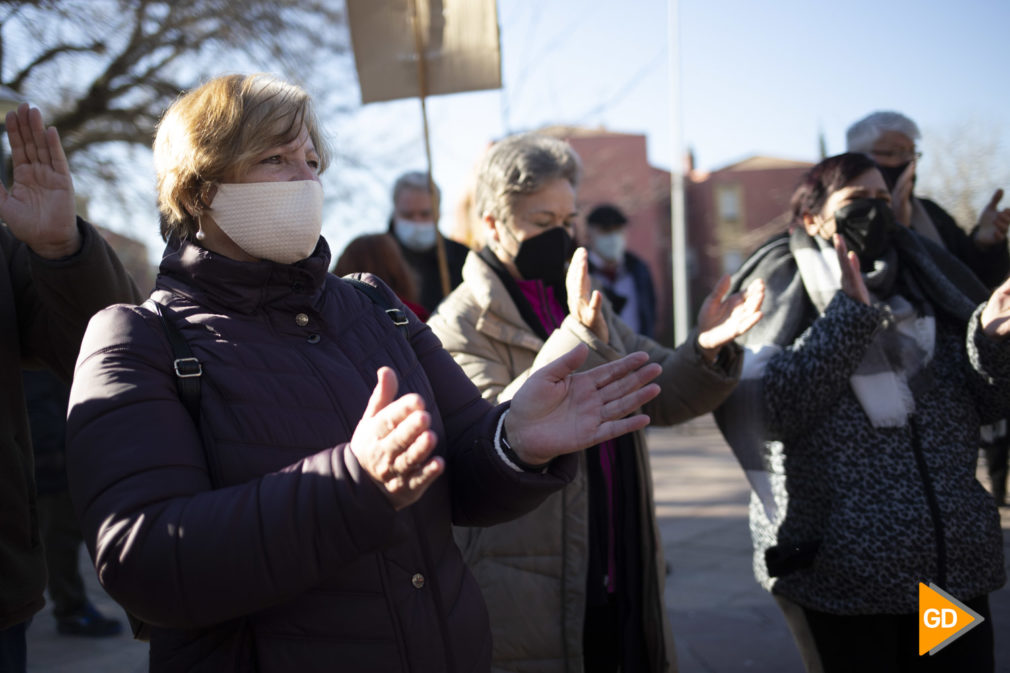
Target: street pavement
(722,620)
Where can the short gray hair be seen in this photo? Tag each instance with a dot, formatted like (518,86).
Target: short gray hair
(861,135)
(521,164)
(414,180)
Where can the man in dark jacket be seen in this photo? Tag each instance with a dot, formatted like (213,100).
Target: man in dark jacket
(623,277)
(414,226)
(55,272)
(889,139)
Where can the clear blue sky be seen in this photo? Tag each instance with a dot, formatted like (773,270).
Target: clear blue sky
(757,78)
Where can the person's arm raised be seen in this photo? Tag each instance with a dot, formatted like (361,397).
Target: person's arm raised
(39,206)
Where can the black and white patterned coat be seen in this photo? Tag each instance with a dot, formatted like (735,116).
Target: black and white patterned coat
(863,514)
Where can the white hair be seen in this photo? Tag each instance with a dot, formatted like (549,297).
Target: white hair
(861,135)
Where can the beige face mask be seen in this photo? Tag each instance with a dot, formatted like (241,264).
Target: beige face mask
(279,221)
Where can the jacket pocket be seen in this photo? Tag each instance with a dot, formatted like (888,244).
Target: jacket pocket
(785,559)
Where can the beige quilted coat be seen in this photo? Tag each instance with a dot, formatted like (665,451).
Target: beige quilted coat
(533,570)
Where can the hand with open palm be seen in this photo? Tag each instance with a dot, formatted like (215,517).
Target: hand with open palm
(556,411)
(995,316)
(39,206)
(559,410)
(722,319)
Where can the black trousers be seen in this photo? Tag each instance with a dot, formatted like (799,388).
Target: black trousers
(601,644)
(14,648)
(885,643)
(62,539)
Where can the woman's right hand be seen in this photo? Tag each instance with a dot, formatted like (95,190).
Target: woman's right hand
(585,303)
(852,280)
(393,443)
(39,207)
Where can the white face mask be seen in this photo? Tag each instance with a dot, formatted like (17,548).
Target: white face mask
(610,246)
(416,236)
(279,221)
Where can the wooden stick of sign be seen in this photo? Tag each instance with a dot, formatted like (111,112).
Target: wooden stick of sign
(422,81)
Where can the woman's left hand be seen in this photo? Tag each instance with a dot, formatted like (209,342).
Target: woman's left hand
(722,319)
(584,303)
(559,411)
(996,314)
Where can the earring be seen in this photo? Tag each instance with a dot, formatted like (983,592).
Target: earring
(199,228)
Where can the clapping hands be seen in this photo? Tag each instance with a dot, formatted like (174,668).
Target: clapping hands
(722,319)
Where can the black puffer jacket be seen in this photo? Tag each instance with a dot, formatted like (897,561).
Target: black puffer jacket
(297,540)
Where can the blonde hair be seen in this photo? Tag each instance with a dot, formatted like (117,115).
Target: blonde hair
(214,132)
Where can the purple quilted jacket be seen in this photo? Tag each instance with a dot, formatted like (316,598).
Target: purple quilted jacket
(294,561)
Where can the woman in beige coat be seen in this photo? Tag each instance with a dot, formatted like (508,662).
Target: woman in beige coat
(577,584)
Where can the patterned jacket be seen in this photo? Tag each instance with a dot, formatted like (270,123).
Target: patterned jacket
(864,514)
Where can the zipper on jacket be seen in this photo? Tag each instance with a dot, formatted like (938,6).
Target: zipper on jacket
(436,594)
(934,506)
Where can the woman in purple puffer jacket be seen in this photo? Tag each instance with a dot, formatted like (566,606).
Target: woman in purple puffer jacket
(304,523)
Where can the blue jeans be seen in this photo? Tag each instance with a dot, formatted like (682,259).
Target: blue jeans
(13,648)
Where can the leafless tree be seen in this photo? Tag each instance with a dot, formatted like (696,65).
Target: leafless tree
(962,165)
(103,71)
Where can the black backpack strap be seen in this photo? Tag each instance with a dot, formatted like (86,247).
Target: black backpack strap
(395,314)
(187,368)
(188,371)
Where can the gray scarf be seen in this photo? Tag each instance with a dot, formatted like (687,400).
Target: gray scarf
(915,279)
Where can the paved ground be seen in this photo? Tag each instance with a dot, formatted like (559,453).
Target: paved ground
(722,620)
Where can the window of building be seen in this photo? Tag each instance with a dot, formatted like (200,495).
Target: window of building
(728,203)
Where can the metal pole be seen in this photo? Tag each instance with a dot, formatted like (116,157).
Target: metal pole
(3,156)
(678,226)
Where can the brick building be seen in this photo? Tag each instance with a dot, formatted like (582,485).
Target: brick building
(731,211)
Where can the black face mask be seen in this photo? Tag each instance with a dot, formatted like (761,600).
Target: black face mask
(866,225)
(892,173)
(544,256)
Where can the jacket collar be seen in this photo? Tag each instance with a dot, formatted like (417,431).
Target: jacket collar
(499,317)
(244,287)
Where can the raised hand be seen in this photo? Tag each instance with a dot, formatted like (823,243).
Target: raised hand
(901,195)
(558,411)
(852,281)
(584,303)
(995,316)
(723,318)
(393,443)
(992,223)
(39,207)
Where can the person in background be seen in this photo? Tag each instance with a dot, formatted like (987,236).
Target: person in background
(889,138)
(46,397)
(299,517)
(577,584)
(414,225)
(55,272)
(856,422)
(621,274)
(379,255)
